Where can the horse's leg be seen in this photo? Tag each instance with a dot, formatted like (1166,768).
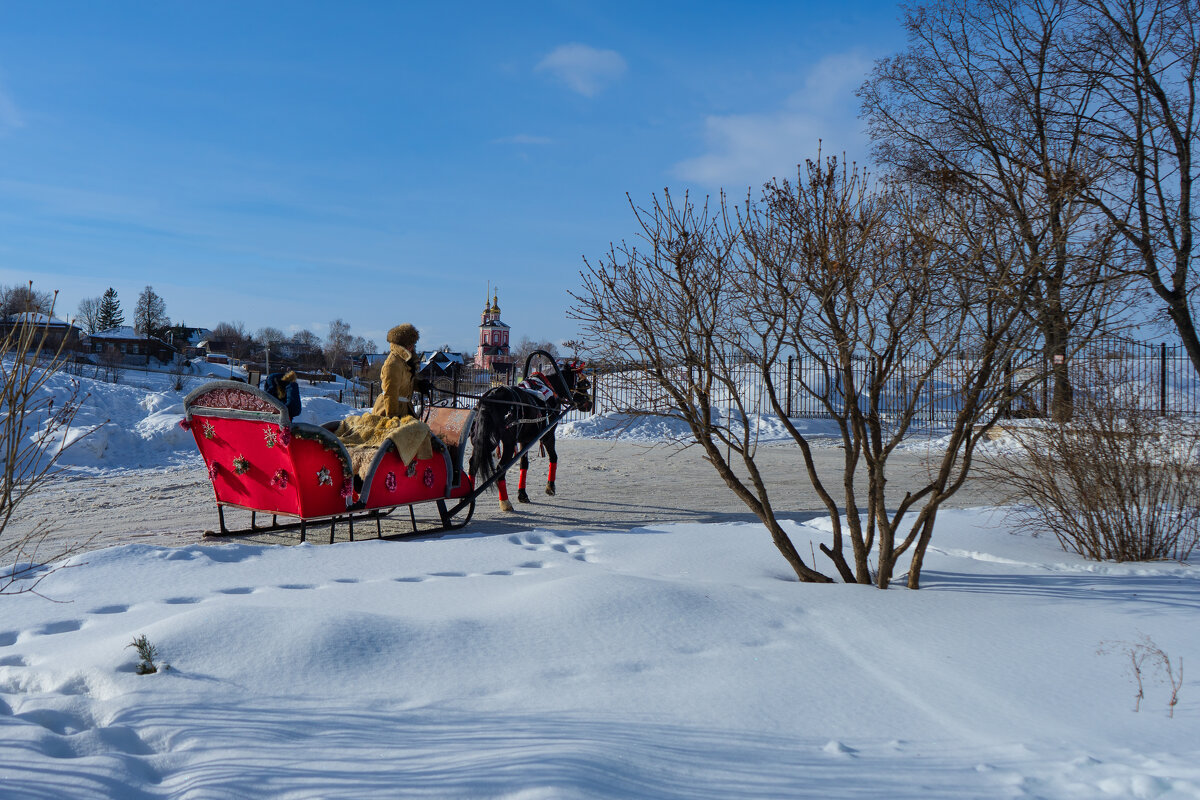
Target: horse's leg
(548,442)
(502,484)
(522,495)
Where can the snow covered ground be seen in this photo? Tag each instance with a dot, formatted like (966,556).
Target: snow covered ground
(670,661)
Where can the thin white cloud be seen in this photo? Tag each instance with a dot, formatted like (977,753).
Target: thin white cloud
(70,200)
(10,115)
(524,138)
(749,149)
(582,68)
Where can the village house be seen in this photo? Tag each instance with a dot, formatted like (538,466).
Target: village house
(133,348)
(57,332)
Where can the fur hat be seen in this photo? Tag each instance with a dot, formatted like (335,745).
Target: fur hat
(404,335)
(288,376)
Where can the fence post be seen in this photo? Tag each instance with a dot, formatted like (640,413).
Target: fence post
(1162,383)
(1006,410)
(1045,392)
(789,388)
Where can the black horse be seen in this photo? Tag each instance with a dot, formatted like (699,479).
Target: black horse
(510,418)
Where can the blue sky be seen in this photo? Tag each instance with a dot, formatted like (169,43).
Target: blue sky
(286,164)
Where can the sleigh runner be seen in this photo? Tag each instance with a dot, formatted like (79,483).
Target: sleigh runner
(260,461)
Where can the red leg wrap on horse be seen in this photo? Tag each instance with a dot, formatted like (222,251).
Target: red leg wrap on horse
(502,487)
(553,469)
(521,480)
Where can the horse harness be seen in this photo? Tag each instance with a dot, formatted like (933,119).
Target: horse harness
(543,395)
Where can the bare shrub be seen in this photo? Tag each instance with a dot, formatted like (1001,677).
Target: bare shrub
(34,431)
(112,360)
(1118,483)
(875,289)
(179,371)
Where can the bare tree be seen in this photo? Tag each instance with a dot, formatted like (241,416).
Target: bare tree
(360,346)
(150,314)
(337,346)
(25,299)
(88,315)
(307,349)
(235,337)
(33,435)
(877,293)
(527,346)
(269,336)
(984,101)
(1143,57)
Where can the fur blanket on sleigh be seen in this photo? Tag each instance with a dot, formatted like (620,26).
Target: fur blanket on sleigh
(363,435)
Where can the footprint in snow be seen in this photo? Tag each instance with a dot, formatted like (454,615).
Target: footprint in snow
(113,609)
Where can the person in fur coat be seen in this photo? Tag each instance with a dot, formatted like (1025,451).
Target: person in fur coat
(392,416)
(398,376)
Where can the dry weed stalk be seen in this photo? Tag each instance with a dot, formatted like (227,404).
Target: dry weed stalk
(1138,653)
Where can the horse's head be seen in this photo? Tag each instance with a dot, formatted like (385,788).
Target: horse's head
(578,385)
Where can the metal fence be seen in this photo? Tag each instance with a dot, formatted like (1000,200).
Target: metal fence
(1157,377)
(1153,377)
(460,389)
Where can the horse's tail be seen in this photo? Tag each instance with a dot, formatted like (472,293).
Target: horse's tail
(485,436)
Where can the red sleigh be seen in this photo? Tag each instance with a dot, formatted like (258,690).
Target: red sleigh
(261,461)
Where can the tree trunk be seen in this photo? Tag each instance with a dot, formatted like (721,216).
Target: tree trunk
(918,557)
(1062,399)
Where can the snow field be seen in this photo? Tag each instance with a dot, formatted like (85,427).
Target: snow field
(668,661)
(675,661)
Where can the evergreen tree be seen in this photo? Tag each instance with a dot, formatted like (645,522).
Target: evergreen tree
(150,316)
(111,315)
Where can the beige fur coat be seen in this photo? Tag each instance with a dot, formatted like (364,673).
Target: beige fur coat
(396,377)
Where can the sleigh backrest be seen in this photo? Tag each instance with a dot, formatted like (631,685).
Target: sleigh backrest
(258,458)
(453,427)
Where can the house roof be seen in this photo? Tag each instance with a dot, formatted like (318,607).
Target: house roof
(441,361)
(120,332)
(38,318)
(124,333)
